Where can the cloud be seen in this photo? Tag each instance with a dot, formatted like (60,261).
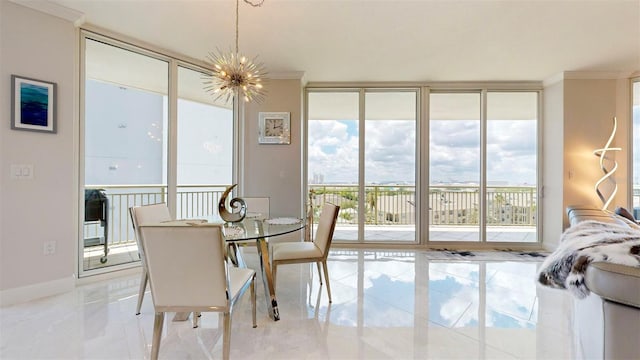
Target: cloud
(454,151)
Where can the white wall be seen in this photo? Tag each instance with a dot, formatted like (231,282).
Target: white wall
(578,118)
(43,47)
(275,170)
(553,170)
(589,108)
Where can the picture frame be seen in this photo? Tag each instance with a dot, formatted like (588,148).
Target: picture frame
(33,105)
(274,128)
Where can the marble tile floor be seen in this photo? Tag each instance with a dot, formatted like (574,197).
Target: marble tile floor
(126,252)
(386,305)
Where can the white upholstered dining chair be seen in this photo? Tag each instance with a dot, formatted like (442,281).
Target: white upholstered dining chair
(141,215)
(309,251)
(191,275)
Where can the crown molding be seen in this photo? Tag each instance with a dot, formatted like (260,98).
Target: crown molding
(553,79)
(588,75)
(54,9)
(596,75)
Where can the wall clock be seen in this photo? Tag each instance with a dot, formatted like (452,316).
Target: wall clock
(274,128)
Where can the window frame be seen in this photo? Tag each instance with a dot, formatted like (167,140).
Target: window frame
(174,61)
(422,157)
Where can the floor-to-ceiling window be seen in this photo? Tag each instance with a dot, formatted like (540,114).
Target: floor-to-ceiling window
(511,170)
(454,166)
(204,146)
(483,161)
(125,154)
(149,134)
(362,156)
(635,144)
(479,152)
(333,155)
(390,165)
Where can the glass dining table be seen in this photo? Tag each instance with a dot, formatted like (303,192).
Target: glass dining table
(252,228)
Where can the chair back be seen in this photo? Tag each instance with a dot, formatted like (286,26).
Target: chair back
(147,214)
(326,226)
(258,205)
(186,266)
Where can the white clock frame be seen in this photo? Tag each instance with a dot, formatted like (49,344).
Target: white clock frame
(283,135)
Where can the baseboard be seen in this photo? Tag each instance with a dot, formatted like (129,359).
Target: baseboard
(32,292)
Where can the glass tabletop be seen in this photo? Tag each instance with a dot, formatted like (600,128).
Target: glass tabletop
(251,228)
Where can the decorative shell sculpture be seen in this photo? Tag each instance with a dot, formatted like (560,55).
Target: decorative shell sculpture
(237,207)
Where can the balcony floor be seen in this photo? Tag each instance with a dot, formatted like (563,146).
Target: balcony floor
(437,233)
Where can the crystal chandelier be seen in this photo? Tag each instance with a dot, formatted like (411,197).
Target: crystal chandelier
(233,74)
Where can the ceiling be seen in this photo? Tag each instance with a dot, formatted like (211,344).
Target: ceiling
(377,40)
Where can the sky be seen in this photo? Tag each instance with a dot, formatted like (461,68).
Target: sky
(390,151)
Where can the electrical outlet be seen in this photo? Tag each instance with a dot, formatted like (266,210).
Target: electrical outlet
(49,247)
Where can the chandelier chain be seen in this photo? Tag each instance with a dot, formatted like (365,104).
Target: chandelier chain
(237,17)
(257,4)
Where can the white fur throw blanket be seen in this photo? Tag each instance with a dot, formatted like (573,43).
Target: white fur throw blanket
(586,242)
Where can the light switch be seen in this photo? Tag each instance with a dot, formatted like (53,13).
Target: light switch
(21,171)
(16,171)
(27,171)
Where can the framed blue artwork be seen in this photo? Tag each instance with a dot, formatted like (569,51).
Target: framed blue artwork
(33,104)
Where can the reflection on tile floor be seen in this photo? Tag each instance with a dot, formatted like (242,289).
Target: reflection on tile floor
(407,233)
(386,304)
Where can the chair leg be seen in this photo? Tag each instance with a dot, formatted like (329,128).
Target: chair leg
(319,272)
(326,278)
(253,300)
(143,287)
(196,319)
(157,334)
(226,336)
(274,270)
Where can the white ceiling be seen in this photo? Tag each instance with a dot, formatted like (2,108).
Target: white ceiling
(369,40)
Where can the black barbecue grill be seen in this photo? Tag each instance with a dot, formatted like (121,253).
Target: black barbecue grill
(96,209)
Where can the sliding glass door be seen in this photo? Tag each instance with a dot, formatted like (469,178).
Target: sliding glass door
(390,165)
(512,133)
(454,167)
(362,156)
(333,156)
(483,161)
(477,150)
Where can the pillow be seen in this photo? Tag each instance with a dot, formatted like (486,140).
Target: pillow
(624,213)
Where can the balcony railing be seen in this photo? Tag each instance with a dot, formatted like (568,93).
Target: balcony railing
(384,205)
(448,204)
(192,201)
